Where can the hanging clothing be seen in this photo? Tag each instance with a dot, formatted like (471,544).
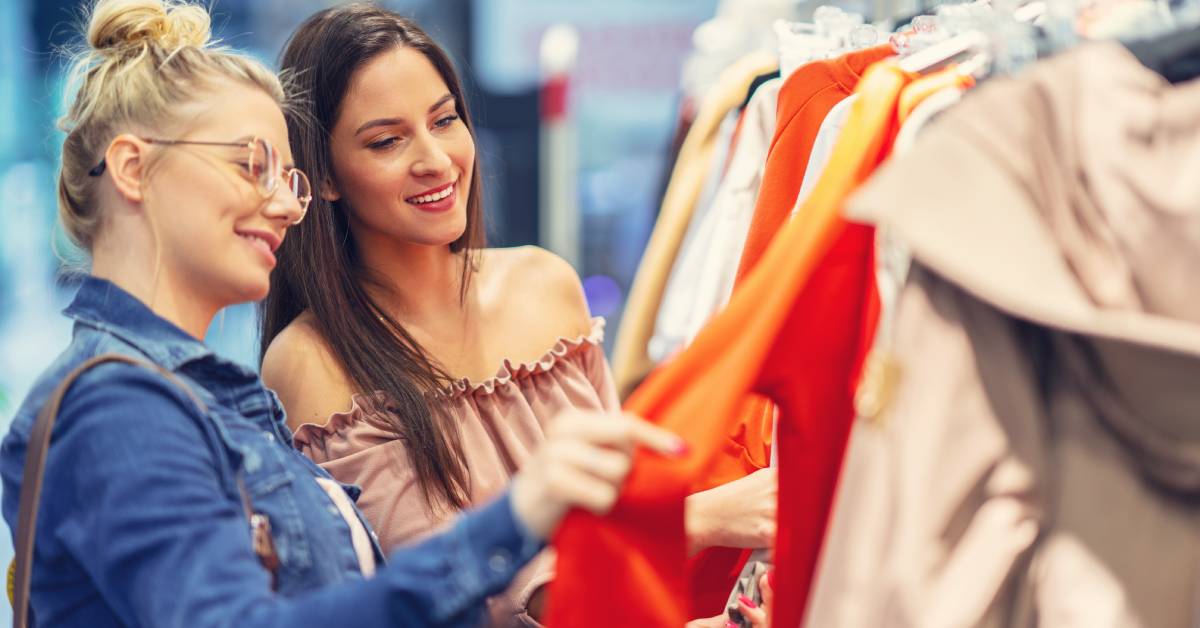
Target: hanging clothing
(702,279)
(923,114)
(804,101)
(1035,460)
(827,136)
(727,136)
(684,117)
(501,422)
(630,362)
(812,296)
(700,285)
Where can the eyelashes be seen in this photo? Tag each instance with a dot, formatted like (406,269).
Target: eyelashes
(385,143)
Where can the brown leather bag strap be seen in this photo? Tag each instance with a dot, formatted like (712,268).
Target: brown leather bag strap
(35,467)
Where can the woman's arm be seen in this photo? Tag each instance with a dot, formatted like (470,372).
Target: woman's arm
(738,514)
(167,546)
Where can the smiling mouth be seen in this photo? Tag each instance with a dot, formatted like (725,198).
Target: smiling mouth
(434,196)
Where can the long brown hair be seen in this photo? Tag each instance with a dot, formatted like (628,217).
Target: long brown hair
(319,266)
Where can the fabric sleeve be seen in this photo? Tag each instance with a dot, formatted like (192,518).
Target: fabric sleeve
(153,525)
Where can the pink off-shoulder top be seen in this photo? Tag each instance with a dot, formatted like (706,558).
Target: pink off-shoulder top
(501,420)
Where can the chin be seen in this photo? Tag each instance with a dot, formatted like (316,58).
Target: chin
(439,237)
(249,289)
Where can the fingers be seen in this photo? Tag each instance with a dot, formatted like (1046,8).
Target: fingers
(656,438)
(581,489)
(604,463)
(709,622)
(751,611)
(766,586)
(622,432)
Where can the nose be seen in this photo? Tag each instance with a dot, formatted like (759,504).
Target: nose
(283,205)
(431,158)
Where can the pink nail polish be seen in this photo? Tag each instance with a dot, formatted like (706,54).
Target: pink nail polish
(747,601)
(729,624)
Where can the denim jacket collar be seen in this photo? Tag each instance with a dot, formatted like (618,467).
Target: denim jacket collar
(102,304)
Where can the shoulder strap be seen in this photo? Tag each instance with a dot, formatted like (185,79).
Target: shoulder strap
(35,467)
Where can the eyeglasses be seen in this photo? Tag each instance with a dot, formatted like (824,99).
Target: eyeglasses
(262,165)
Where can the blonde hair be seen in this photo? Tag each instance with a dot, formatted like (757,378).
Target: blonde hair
(143,59)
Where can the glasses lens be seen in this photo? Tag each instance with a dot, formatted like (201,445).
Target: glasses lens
(298,184)
(266,168)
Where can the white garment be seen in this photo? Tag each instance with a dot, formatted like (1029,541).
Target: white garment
(360,538)
(822,150)
(922,114)
(716,168)
(893,258)
(701,280)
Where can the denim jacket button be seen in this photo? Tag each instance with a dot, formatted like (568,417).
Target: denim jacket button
(499,561)
(269,436)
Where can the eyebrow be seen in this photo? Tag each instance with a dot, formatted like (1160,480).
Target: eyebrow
(390,121)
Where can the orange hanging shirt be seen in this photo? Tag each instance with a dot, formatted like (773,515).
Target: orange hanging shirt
(805,98)
(796,331)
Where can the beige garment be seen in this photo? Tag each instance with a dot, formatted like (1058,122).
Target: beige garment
(630,360)
(1035,457)
(502,420)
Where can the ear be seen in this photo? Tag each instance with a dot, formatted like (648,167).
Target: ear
(125,165)
(329,191)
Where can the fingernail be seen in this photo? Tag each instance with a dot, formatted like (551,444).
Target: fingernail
(730,624)
(747,601)
(682,448)
(771,578)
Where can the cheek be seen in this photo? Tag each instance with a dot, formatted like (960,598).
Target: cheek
(464,155)
(369,184)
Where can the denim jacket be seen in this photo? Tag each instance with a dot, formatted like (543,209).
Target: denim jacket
(142,523)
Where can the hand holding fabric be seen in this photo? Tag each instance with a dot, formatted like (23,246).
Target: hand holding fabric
(759,615)
(583,463)
(739,514)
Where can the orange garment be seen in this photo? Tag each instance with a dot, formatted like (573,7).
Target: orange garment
(805,98)
(795,330)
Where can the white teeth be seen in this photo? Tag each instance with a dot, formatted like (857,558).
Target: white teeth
(430,198)
(254,238)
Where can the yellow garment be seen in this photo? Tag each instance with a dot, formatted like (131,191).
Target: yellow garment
(921,89)
(630,361)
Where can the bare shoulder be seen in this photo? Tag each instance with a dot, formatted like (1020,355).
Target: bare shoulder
(302,370)
(544,287)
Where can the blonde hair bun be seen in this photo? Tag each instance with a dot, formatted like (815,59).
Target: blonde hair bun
(119,26)
(143,60)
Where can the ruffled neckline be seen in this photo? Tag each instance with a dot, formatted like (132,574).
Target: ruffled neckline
(509,370)
(373,403)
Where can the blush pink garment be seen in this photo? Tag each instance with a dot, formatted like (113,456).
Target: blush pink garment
(502,420)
